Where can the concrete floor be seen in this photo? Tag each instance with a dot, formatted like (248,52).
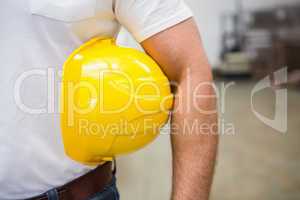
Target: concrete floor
(256,162)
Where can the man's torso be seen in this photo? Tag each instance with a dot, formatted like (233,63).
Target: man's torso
(35,39)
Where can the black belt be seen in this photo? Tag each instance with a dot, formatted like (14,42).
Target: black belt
(85,186)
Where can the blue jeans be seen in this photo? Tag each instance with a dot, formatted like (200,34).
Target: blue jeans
(110,192)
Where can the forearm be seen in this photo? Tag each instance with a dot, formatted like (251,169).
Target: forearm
(194,138)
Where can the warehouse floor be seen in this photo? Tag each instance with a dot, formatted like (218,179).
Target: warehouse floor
(256,162)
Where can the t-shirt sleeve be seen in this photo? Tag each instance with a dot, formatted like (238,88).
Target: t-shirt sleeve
(145,18)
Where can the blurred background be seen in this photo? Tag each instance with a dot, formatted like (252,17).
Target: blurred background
(254,49)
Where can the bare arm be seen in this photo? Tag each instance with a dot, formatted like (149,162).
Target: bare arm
(180,54)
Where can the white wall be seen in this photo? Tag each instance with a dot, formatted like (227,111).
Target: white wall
(208,14)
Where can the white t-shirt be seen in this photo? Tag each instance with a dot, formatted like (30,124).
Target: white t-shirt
(35,39)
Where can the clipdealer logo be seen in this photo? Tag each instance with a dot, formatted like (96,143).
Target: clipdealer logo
(279,122)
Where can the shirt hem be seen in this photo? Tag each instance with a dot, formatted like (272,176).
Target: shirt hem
(163,25)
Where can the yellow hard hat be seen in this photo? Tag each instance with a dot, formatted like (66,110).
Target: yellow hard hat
(114,100)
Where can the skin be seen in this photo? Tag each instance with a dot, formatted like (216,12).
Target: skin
(179,52)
